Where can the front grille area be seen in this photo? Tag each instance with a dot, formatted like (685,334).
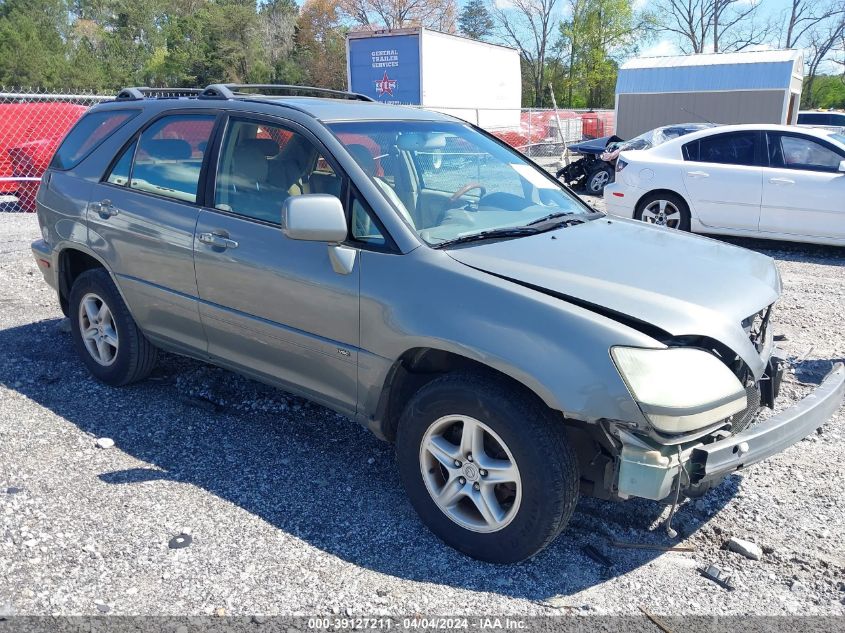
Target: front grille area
(741,421)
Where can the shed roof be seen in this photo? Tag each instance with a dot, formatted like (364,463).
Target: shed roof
(772,70)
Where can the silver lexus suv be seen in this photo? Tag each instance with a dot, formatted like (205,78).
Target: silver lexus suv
(412,272)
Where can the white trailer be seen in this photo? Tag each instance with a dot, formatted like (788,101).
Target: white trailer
(473,80)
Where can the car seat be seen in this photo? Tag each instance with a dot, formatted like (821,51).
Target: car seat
(366,161)
(248,190)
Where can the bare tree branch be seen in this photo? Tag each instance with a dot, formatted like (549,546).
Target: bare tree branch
(712,25)
(803,16)
(439,15)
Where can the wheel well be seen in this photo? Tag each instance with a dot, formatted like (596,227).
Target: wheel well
(73,263)
(637,207)
(417,367)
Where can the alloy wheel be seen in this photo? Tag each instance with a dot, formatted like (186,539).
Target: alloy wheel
(662,213)
(470,473)
(98,329)
(599,180)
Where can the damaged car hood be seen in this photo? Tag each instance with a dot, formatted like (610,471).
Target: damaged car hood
(680,283)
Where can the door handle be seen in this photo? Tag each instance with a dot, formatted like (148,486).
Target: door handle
(106,209)
(216,240)
(781,181)
(698,174)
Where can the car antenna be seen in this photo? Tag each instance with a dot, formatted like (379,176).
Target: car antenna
(698,115)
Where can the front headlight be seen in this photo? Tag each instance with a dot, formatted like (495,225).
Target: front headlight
(680,389)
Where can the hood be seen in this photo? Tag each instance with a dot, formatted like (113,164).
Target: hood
(593,146)
(677,282)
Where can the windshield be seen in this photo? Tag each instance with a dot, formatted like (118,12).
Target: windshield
(840,138)
(449,182)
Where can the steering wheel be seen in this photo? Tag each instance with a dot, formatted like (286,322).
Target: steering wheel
(469,187)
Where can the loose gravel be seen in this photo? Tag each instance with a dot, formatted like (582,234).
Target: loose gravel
(221,495)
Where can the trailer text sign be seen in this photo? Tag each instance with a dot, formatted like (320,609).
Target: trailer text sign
(386,68)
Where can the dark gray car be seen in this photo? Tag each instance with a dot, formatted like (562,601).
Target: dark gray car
(414,273)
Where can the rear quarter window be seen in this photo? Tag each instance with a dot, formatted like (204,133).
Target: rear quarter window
(690,151)
(91,130)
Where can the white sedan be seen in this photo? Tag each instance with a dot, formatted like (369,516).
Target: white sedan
(771,181)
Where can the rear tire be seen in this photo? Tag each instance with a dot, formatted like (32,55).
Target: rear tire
(663,208)
(105,335)
(523,446)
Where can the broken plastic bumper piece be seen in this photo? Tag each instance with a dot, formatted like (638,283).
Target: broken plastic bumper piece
(650,471)
(779,432)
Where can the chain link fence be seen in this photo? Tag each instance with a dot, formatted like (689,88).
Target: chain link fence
(33,123)
(541,134)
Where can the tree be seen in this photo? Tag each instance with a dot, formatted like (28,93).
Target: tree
(528,25)
(396,14)
(737,25)
(597,35)
(321,47)
(822,41)
(827,91)
(214,41)
(818,27)
(803,16)
(34,48)
(475,20)
(712,25)
(278,20)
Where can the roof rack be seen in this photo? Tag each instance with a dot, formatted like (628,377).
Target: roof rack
(234,91)
(142,92)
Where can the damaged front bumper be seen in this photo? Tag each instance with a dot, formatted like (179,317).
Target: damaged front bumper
(779,432)
(651,472)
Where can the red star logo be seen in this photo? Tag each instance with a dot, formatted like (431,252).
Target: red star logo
(385,85)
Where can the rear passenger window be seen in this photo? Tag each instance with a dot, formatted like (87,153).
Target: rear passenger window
(728,149)
(262,165)
(91,130)
(169,156)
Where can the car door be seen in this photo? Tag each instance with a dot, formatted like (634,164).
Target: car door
(141,221)
(803,189)
(723,178)
(272,306)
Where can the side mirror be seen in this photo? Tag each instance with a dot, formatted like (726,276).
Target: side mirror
(314,217)
(842,166)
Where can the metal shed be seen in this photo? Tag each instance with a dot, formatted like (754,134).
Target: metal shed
(747,87)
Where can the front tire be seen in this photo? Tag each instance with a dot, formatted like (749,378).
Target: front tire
(598,179)
(105,335)
(487,467)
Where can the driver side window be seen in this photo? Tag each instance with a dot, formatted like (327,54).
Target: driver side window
(799,152)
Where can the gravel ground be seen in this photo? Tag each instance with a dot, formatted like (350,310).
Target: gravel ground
(293,509)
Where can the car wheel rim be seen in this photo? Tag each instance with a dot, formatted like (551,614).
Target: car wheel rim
(470,473)
(599,180)
(98,329)
(662,213)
